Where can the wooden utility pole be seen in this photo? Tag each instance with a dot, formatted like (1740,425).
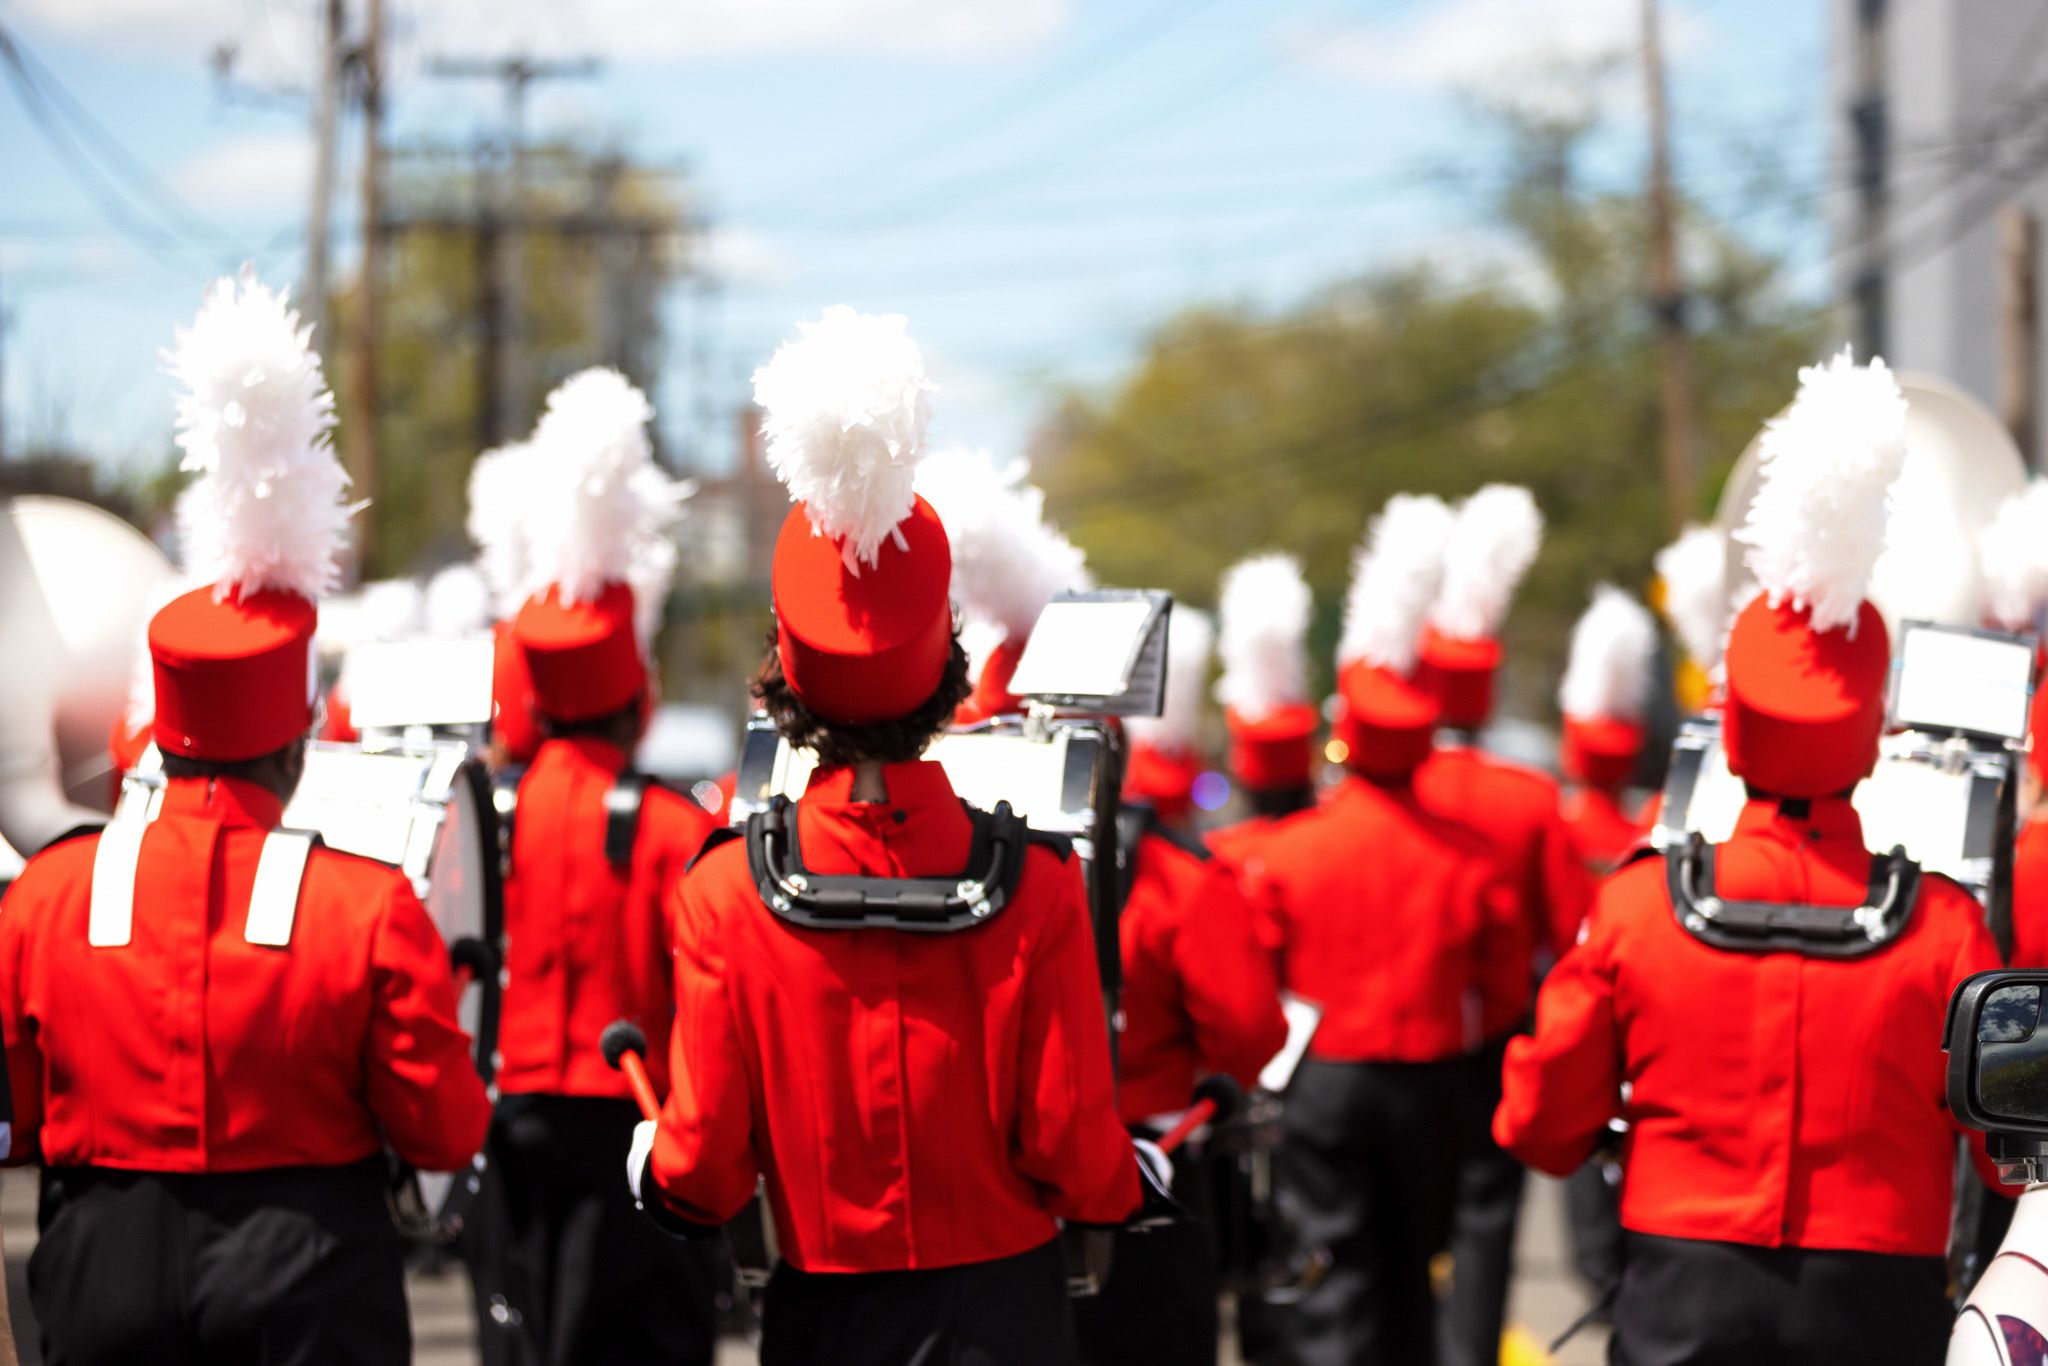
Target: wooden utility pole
(1667,294)
(362,446)
(2019,319)
(327,117)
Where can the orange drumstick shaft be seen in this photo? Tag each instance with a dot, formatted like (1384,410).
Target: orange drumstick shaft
(1198,1114)
(643,1088)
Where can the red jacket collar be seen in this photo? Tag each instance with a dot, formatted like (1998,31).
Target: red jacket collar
(918,783)
(232,801)
(586,749)
(1828,819)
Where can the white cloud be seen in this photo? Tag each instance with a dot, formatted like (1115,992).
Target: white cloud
(620,30)
(1527,50)
(262,173)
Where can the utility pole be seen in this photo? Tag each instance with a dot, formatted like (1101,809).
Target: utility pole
(2019,317)
(508,337)
(1667,295)
(362,446)
(327,114)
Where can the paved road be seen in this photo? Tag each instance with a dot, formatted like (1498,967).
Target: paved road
(1546,1297)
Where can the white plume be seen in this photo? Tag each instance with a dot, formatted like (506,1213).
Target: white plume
(1263,611)
(1828,463)
(597,507)
(254,418)
(1178,728)
(844,412)
(1694,572)
(2013,553)
(457,603)
(1007,562)
(384,609)
(1608,673)
(499,492)
(1395,576)
(1493,543)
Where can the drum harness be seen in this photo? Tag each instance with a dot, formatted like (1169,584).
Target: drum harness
(1839,932)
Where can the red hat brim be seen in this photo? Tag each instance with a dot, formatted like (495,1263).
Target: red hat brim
(583,658)
(1275,751)
(1600,751)
(1387,722)
(1459,674)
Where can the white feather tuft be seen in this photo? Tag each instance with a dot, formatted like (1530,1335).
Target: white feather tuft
(1828,463)
(457,603)
(254,418)
(1190,637)
(1007,562)
(596,508)
(1264,609)
(498,495)
(1395,577)
(844,412)
(1498,531)
(1694,572)
(1608,673)
(2013,553)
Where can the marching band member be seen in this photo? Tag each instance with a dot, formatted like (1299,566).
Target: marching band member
(1603,697)
(1199,994)
(1789,1159)
(1263,608)
(594,852)
(216,1028)
(922,1104)
(1395,920)
(1517,810)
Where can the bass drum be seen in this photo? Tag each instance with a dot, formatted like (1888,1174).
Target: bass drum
(426,809)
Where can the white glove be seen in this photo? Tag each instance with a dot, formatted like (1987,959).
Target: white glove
(639,1154)
(1157,1164)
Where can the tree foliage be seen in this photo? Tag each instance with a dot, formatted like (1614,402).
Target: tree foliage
(1239,432)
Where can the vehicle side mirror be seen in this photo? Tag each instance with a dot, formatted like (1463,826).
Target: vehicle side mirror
(1998,1068)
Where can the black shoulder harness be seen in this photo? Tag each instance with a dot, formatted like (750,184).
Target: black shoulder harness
(724,834)
(1134,821)
(1770,926)
(995,862)
(622,816)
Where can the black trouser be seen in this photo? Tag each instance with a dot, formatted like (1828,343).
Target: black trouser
(1489,1205)
(1690,1302)
(1368,1171)
(567,1272)
(1158,1307)
(1007,1312)
(1592,1206)
(291,1265)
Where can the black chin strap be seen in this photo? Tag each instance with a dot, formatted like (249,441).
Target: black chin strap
(1772,926)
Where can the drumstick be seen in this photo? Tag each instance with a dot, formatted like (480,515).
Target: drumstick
(1197,1115)
(625,1049)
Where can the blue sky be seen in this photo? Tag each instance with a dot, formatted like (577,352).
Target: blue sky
(1036,183)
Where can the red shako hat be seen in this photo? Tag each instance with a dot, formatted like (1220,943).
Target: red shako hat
(1263,607)
(1808,658)
(1166,754)
(577,520)
(512,706)
(1008,561)
(863,625)
(1606,688)
(263,526)
(1491,546)
(1385,718)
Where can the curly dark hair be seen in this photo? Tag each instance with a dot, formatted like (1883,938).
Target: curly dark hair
(836,745)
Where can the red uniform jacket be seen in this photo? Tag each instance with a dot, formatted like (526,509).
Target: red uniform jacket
(915,1100)
(1515,809)
(1601,831)
(2030,896)
(1395,921)
(1775,1099)
(1241,849)
(1199,991)
(189,1049)
(587,944)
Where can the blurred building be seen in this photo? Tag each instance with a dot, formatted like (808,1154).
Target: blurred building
(1940,170)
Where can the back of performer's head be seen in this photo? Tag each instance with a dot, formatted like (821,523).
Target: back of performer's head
(864,662)
(1808,658)
(1386,718)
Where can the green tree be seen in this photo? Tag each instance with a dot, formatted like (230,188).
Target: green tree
(1239,432)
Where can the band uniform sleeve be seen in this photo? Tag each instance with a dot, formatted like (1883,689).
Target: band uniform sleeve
(1229,989)
(1069,1140)
(422,1084)
(24,1057)
(703,1161)
(1560,1086)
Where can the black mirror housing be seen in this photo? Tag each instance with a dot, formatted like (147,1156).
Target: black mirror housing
(1997,1046)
